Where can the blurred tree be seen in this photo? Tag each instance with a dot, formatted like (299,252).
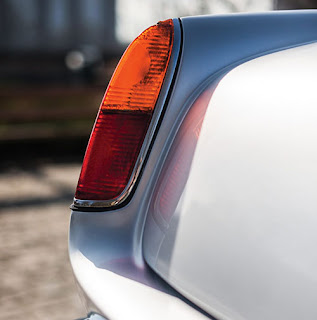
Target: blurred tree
(295,4)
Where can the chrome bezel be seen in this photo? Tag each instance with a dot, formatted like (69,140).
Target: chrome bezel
(77,203)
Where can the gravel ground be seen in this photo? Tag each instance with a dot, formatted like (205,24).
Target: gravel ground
(36,279)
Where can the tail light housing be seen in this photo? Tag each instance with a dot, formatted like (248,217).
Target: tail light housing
(113,159)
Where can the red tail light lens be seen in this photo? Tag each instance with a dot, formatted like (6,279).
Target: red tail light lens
(124,116)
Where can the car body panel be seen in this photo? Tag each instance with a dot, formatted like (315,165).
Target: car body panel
(241,243)
(106,246)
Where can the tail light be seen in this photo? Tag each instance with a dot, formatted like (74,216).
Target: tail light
(112,158)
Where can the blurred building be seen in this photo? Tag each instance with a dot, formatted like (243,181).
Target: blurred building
(39,39)
(56,57)
(56,25)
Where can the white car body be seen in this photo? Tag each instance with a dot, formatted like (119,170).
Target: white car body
(237,238)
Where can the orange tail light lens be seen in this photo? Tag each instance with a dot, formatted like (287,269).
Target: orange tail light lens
(124,116)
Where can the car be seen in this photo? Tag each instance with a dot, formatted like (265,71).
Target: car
(197,195)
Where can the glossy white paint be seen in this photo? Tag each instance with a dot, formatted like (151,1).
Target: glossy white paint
(107,247)
(242,241)
(122,297)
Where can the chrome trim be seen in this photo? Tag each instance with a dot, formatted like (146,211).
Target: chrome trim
(77,203)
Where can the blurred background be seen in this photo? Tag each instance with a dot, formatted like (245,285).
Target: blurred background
(56,58)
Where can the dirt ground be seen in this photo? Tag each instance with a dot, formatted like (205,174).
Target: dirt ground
(36,280)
